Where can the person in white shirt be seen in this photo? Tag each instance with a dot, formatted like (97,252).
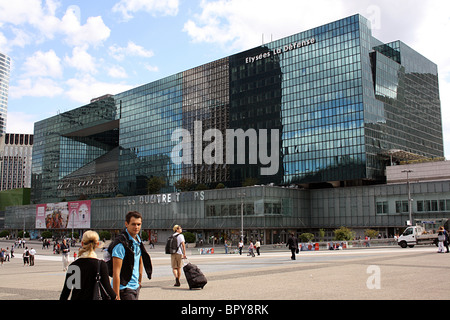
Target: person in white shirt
(241,245)
(32,253)
(176,258)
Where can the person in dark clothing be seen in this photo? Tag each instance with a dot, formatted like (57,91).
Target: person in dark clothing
(446,241)
(65,249)
(81,274)
(293,245)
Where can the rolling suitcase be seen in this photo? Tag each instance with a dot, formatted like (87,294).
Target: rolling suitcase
(194,276)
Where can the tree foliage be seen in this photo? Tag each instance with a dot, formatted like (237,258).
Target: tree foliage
(184,184)
(343,234)
(155,184)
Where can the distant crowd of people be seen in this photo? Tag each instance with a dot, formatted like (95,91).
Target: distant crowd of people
(28,254)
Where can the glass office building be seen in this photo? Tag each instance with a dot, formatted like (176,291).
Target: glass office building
(5,67)
(328,106)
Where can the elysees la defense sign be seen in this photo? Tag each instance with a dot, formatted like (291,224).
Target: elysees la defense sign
(286,48)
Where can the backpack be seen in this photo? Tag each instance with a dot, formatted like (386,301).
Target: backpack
(108,260)
(107,257)
(172,244)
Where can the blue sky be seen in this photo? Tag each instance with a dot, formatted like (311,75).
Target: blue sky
(66,52)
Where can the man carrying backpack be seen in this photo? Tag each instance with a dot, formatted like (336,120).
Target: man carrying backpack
(129,258)
(176,258)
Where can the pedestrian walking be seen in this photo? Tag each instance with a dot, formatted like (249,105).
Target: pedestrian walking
(7,254)
(32,254)
(446,241)
(258,247)
(65,249)
(26,257)
(251,248)
(81,276)
(129,259)
(176,259)
(240,246)
(2,255)
(441,239)
(12,252)
(293,245)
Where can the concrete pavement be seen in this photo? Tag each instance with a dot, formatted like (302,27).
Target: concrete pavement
(390,273)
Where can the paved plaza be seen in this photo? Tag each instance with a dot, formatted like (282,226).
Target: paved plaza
(388,273)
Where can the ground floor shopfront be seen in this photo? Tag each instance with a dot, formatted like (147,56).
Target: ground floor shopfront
(263,212)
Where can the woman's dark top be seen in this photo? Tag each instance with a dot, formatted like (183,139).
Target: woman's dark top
(82,287)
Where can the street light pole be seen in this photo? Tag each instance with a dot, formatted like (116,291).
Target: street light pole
(242,195)
(409,195)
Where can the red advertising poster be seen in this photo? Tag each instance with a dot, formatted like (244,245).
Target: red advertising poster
(64,215)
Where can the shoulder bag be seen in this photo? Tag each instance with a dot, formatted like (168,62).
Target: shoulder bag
(99,291)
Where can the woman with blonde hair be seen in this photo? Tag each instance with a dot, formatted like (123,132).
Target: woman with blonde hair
(81,274)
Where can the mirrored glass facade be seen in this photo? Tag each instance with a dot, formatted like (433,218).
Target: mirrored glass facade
(76,153)
(5,68)
(338,98)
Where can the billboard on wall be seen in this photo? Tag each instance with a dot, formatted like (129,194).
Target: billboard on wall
(64,215)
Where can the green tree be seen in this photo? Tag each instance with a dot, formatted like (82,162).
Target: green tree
(104,235)
(343,234)
(201,186)
(189,237)
(184,184)
(4,233)
(306,237)
(46,234)
(248,182)
(144,235)
(321,234)
(155,184)
(371,233)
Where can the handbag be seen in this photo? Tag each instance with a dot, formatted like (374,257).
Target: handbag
(99,291)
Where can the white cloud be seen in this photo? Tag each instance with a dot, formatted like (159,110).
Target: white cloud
(37,87)
(132,49)
(151,68)
(45,25)
(3,43)
(240,24)
(82,60)
(94,32)
(43,64)
(21,11)
(21,122)
(163,7)
(85,88)
(117,72)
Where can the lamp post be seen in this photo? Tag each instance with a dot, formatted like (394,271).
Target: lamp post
(73,222)
(242,196)
(409,195)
